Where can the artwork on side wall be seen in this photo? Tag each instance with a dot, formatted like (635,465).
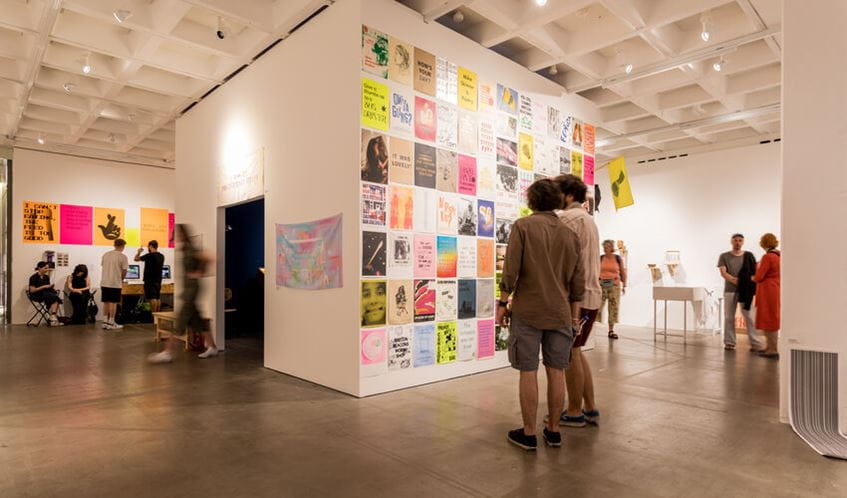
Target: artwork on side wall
(400,58)
(425,297)
(40,223)
(373,303)
(77,224)
(374,202)
(423,354)
(375,104)
(374,52)
(374,254)
(424,72)
(154,225)
(309,255)
(109,224)
(374,163)
(401,302)
(621,190)
(400,347)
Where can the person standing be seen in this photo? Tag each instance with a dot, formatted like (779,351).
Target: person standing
(544,274)
(737,268)
(42,291)
(115,265)
(767,295)
(578,378)
(612,283)
(153,263)
(79,287)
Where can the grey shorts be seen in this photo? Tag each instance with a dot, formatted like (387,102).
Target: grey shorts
(525,342)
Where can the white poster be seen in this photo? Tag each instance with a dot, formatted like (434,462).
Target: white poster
(399,255)
(446,81)
(507,127)
(539,117)
(467,257)
(485,298)
(446,303)
(402,110)
(466,340)
(426,210)
(243,179)
(525,113)
(554,123)
(448,127)
(448,214)
(400,347)
(486,173)
(487,144)
(467,133)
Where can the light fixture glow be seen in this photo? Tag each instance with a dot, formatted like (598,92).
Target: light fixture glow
(458,17)
(718,66)
(40,139)
(554,70)
(627,68)
(86,64)
(69,87)
(541,3)
(122,15)
(706,32)
(705,35)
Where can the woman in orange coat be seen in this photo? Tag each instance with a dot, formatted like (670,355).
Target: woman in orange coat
(767,294)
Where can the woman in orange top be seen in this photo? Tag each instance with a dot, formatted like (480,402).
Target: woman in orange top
(612,283)
(767,294)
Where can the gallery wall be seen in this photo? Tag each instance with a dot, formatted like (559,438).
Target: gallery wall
(62,179)
(693,205)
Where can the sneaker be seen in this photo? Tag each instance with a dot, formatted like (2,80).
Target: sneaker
(56,323)
(553,439)
(518,438)
(591,416)
(208,353)
(572,421)
(161,357)
(729,347)
(107,325)
(116,326)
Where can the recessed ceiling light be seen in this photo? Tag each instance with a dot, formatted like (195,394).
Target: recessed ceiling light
(458,17)
(554,70)
(541,3)
(627,68)
(69,87)
(122,15)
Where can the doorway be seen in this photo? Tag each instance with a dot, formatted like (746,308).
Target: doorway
(244,275)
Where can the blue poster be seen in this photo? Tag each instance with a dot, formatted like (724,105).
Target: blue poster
(424,338)
(485,215)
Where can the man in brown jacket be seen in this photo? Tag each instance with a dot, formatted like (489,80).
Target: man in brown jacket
(544,273)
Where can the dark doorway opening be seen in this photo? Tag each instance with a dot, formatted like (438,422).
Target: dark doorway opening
(244,279)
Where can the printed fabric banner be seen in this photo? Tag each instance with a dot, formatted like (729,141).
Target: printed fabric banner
(76,224)
(374,105)
(154,225)
(621,190)
(308,255)
(40,223)
(108,225)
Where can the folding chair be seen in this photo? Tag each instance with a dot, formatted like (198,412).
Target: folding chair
(41,313)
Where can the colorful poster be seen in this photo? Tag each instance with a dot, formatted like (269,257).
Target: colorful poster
(507,99)
(507,152)
(498,277)
(373,303)
(76,225)
(426,120)
(447,164)
(40,223)
(426,210)
(525,113)
(526,154)
(447,257)
(154,225)
(374,105)
(424,300)
(567,126)
(554,124)
(485,339)
(448,127)
(466,340)
(588,169)
(487,145)
(171,228)
(504,229)
(487,97)
(374,254)
(539,118)
(500,257)
(373,352)
(109,224)
(425,165)
(132,236)
(308,255)
(400,262)
(400,302)
(447,342)
(467,89)
(467,175)
(401,203)
(400,347)
(507,183)
(486,172)
(375,157)
(525,179)
(507,127)
(564,161)
(466,266)
(425,256)
(448,214)
(424,72)
(501,338)
(373,204)
(576,133)
(576,164)
(401,168)
(374,52)
(466,215)
(467,299)
(468,133)
(485,258)
(446,84)
(588,138)
(400,61)
(621,190)
(402,111)
(485,218)
(424,351)
(485,298)
(446,307)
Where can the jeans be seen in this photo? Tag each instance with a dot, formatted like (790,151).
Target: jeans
(730,301)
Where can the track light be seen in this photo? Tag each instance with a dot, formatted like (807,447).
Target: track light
(86,64)
(458,17)
(122,15)
(706,32)
(40,139)
(627,68)
(541,3)
(718,66)
(222,31)
(553,70)
(69,87)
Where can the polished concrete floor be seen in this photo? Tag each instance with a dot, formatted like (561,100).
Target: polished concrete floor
(82,414)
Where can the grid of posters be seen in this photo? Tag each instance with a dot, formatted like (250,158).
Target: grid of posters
(446,157)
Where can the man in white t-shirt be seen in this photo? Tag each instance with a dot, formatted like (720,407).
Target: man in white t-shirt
(115,265)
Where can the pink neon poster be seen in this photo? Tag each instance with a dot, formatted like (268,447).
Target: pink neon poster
(76,224)
(485,339)
(588,170)
(171,225)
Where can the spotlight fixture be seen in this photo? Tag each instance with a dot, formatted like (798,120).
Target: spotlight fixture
(122,15)
(40,139)
(541,3)
(553,70)
(718,66)
(222,31)
(627,68)
(458,17)
(69,87)
(86,63)
(112,138)
(705,33)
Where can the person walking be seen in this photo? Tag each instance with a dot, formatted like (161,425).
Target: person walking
(544,274)
(153,263)
(79,292)
(42,291)
(114,267)
(767,295)
(613,284)
(737,268)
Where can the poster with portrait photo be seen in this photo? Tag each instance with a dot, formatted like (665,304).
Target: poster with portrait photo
(485,298)
(374,163)
(466,214)
(400,260)
(373,303)
(468,132)
(466,267)
(374,203)
(576,133)
(485,218)
(401,111)
(446,307)
(507,152)
(401,302)
(448,127)
(507,183)
(424,165)
(504,229)
(401,167)
(374,254)
(466,340)
(400,58)
(400,347)
(447,170)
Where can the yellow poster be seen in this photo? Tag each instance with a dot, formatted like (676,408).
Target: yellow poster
(40,223)
(525,153)
(467,89)
(108,225)
(621,191)
(374,105)
(154,226)
(133,237)
(576,164)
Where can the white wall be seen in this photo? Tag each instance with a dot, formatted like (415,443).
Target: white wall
(693,205)
(40,176)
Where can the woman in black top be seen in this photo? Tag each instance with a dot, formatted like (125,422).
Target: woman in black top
(79,288)
(42,291)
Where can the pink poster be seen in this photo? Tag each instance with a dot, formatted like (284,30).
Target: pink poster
(76,224)
(424,252)
(425,119)
(373,346)
(467,175)
(171,226)
(588,170)
(485,339)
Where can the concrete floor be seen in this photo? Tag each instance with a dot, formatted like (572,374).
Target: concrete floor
(82,414)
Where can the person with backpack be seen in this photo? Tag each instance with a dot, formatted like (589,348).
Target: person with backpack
(612,283)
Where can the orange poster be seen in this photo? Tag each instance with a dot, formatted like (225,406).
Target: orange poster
(40,223)
(485,258)
(154,226)
(588,139)
(108,225)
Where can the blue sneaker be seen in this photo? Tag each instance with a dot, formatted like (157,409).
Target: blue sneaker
(591,416)
(569,421)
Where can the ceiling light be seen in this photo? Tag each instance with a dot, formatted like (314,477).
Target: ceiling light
(112,138)
(627,68)
(122,15)
(86,64)
(706,32)
(458,17)
(69,87)
(541,3)
(718,66)
(40,139)
(554,70)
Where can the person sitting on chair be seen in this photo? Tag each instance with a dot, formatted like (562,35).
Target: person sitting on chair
(42,291)
(79,292)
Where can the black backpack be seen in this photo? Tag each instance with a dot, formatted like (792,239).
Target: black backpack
(92,310)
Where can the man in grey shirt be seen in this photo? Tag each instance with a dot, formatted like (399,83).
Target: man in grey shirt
(737,267)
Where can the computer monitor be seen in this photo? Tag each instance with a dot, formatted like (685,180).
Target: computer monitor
(166,272)
(134,272)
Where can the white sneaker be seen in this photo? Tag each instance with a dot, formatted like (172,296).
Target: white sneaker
(56,323)
(116,326)
(211,351)
(107,325)
(161,357)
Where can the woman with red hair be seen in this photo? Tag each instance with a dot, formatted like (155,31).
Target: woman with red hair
(767,294)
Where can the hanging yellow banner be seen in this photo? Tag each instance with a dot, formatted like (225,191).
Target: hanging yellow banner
(374,105)
(621,191)
(467,89)
(40,223)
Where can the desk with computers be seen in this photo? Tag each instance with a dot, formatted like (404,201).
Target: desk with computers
(132,296)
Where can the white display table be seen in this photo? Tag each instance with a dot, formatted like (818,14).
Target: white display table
(683,293)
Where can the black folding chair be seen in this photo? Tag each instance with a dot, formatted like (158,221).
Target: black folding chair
(41,313)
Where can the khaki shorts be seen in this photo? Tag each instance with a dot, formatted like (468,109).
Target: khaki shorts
(525,342)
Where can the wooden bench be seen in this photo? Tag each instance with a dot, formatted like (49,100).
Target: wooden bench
(165,323)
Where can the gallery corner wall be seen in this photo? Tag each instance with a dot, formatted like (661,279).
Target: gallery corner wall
(62,179)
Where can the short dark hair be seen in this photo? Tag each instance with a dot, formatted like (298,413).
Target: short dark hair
(737,235)
(573,186)
(40,265)
(154,244)
(544,195)
(120,243)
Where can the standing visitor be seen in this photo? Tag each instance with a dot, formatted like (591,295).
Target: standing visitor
(737,268)
(578,378)
(79,288)
(612,283)
(767,295)
(544,274)
(115,265)
(153,263)
(195,265)
(42,291)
